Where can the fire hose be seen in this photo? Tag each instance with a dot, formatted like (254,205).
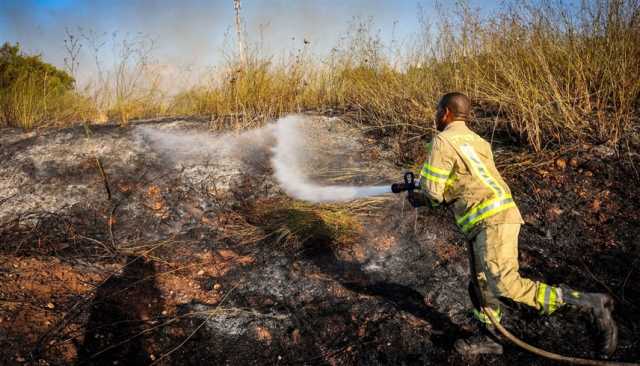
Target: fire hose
(409,185)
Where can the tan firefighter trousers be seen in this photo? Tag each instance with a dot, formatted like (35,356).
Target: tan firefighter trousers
(495,250)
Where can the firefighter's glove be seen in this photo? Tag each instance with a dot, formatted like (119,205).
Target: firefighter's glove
(418,199)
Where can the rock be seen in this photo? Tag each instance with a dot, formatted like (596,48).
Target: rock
(603,151)
(295,336)
(595,205)
(263,334)
(573,162)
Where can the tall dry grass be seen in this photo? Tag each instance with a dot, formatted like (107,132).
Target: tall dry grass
(546,73)
(30,102)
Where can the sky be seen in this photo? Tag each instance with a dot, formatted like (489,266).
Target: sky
(192,32)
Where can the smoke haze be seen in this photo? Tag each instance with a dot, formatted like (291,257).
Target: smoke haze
(286,140)
(192,33)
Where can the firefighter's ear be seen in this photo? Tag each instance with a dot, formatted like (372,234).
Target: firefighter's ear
(448,115)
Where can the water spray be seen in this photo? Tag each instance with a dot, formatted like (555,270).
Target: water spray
(289,159)
(289,156)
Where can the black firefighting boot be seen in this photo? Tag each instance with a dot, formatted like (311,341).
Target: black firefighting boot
(601,307)
(487,342)
(481,344)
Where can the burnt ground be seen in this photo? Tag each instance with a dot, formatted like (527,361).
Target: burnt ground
(196,264)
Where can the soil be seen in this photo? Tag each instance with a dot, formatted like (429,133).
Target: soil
(211,263)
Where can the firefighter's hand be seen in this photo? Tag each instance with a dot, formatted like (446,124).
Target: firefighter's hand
(418,199)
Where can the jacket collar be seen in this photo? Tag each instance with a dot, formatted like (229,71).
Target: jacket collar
(455,124)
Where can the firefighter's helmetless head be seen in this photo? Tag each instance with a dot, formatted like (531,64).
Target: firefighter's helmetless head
(452,107)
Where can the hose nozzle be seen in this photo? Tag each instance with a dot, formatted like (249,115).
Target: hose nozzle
(409,184)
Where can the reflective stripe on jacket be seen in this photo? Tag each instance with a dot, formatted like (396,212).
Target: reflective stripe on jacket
(460,170)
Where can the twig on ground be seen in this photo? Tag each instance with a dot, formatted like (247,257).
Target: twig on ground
(104,178)
(3,200)
(626,279)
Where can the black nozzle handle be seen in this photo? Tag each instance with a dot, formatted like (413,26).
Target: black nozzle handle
(408,185)
(409,180)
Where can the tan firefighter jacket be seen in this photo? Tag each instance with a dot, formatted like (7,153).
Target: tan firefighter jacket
(460,170)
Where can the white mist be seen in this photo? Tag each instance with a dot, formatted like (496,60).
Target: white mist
(288,162)
(288,156)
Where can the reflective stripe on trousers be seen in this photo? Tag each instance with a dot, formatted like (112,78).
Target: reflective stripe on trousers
(549,298)
(483,318)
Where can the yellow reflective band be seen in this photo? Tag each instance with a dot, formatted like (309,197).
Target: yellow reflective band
(432,178)
(552,305)
(547,298)
(542,288)
(483,318)
(501,206)
(481,206)
(481,170)
(500,201)
(482,211)
(434,174)
(433,169)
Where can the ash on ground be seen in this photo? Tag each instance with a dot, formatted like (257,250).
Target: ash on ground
(117,252)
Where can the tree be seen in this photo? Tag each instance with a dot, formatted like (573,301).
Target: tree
(27,84)
(15,65)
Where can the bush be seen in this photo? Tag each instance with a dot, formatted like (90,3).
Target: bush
(30,89)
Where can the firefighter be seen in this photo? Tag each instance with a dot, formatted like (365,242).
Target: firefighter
(460,172)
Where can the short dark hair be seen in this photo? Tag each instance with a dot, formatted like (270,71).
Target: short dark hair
(458,103)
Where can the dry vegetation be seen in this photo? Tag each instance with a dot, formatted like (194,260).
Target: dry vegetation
(547,74)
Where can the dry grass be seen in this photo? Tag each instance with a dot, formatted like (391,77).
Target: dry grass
(28,104)
(295,224)
(545,76)
(543,72)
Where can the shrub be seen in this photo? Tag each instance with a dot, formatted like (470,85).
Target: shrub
(29,87)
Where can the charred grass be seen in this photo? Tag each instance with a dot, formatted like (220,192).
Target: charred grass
(292,278)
